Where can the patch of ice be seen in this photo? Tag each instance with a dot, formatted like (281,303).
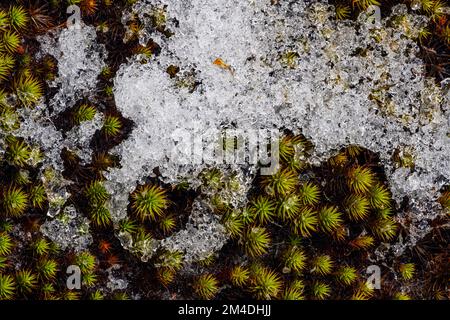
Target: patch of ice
(70,230)
(80,61)
(40,132)
(78,139)
(115,279)
(203,235)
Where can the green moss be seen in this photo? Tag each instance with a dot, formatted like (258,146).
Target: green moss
(96,295)
(322,265)
(379,197)
(112,126)
(362,242)
(401,296)
(212,178)
(346,275)
(26,281)
(100,216)
(360,179)
(3,263)
(294,290)
(305,223)
(48,291)
(206,286)
(363,292)
(37,196)
(329,218)
(357,207)
(263,209)
(85,261)
(7,63)
(96,193)
(233,223)
(121,296)
(141,236)
(6,226)
(3,20)
(321,290)
(6,244)
(289,59)
(149,202)
(309,194)
(83,113)
(21,177)
(287,147)
(256,241)
(384,229)
(208,261)
(9,118)
(364,4)
(7,287)
(167,223)
(342,12)
(18,152)
(239,276)
(70,295)
(127,225)
(282,182)
(18,17)
(170,259)
(265,284)
(40,247)
(407,270)
(340,209)
(46,268)
(89,279)
(14,201)
(10,41)
(29,90)
(444,200)
(294,259)
(165,276)
(288,207)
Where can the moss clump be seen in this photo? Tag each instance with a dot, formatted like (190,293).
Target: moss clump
(206,286)
(14,201)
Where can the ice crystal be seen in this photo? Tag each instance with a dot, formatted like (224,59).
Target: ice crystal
(80,60)
(70,230)
(115,279)
(78,139)
(203,235)
(38,129)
